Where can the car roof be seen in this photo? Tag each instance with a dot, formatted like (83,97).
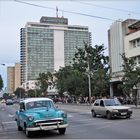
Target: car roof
(35,99)
(107,99)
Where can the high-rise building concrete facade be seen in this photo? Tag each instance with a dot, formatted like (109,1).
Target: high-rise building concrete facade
(10,79)
(48,45)
(17,76)
(121,38)
(13,77)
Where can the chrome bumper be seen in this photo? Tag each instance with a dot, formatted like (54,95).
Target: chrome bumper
(51,127)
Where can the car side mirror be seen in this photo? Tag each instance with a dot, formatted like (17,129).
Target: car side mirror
(56,106)
(21,110)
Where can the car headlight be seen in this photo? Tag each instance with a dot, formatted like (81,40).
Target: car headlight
(114,110)
(64,115)
(129,109)
(30,118)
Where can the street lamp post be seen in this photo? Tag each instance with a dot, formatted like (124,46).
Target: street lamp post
(89,83)
(136,97)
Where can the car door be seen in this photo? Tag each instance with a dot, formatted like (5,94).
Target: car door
(96,106)
(21,116)
(102,108)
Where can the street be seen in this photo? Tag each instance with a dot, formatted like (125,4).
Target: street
(81,125)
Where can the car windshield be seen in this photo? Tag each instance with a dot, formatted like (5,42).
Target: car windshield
(112,102)
(38,104)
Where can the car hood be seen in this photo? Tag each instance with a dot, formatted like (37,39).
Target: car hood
(117,107)
(44,113)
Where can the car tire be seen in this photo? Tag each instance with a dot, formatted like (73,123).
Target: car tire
(62,131)
(108,115)
(19,128)
(27,133)
(128,116)
(93,113)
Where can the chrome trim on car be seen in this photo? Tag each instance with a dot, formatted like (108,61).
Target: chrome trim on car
(49,120)
(51,127)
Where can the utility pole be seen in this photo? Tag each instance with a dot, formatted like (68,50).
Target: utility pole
(89,78)
(89,83)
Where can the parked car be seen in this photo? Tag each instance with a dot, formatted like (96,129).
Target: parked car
(9,102)
(3,101)
(40,114)
(110,108)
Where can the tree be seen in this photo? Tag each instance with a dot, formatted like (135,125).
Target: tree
(131,76)
(6,96)
(91,60)
(1,83)
(71,80)
(87,60)
(44,80)
(20,92)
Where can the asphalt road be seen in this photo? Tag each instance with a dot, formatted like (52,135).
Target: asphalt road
(81,125)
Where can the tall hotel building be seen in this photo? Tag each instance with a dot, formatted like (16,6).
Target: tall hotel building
(48,45)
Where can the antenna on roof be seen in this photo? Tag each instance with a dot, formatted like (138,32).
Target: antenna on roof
(56,11)
(129,15)
(62,14)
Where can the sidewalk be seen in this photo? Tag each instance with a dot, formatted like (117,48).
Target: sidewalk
(133,106)
(75,104)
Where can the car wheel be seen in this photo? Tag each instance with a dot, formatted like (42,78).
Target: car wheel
(62,131)
(19,128)
(108,115)
(27,133)
(128,116)
(93,113)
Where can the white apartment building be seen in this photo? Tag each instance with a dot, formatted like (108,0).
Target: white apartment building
(32,85)
(123,37)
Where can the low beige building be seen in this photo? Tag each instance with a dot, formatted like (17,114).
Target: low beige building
(13,77)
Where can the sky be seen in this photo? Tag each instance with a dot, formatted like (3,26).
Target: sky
(98,15)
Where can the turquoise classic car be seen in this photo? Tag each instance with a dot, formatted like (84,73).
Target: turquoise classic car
(40,114)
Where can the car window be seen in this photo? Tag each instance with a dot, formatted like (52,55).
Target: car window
(38,104)
(96,103)
(101,103)
(112,102)
(22,106)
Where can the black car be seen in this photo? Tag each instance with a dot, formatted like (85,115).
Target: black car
(9,102)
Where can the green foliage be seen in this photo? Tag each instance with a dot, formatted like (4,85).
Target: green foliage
(44,80)
(6,96)
(88,60)
(1,83)
(91,60)
(131,75)
(31,93)
(20,93)
(71,80)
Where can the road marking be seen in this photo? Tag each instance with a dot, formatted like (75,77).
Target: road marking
(103,127)
(70,116)
(3,109)
(11,116)
(91,123)
(5,133)
(8,122)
